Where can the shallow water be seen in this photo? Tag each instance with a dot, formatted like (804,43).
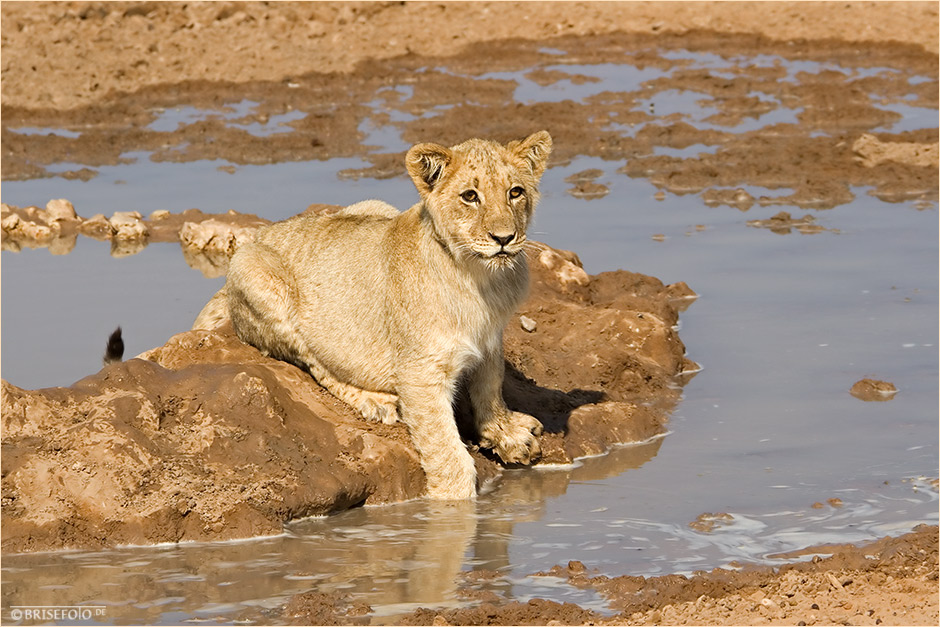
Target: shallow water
(784,325)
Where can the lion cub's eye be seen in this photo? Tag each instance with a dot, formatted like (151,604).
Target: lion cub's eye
(515,192)
(470,196)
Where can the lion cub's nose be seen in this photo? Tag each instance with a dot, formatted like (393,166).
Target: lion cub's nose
(502,240)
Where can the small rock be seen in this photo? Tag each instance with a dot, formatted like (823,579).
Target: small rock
(659,237)
(873,390)
(97,226)
(10,221)
(39,232)
(566,270)
(575,566)
(159,214)
(60,210)
(215,236)
(129,225)
(527,323)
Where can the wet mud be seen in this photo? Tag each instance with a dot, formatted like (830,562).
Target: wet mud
(837,589)
(769,125)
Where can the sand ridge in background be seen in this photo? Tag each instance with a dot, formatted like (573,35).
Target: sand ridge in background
(65,54)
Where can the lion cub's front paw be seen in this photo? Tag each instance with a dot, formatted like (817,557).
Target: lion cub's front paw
(514,438)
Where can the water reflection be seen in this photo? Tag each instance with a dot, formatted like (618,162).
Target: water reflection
(391,557)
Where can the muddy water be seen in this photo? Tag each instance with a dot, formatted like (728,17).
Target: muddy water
(767,436)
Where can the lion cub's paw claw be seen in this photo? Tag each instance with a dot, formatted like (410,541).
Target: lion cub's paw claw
(379,408)
(516,439)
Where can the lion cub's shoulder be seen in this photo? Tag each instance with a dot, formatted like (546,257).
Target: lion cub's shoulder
(376,208)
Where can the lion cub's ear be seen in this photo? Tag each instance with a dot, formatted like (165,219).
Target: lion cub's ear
(534,149)
(426,163)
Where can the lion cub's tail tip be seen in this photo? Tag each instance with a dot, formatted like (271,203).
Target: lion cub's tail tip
(114,352)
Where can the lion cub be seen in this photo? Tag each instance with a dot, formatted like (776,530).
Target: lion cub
(389,310)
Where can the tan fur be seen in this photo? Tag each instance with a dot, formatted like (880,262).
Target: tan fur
(389,310)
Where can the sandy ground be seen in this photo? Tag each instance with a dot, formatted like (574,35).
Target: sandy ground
(65,54)
(107,64)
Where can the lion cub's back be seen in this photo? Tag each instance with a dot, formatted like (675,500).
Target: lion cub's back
(336,260)
(339,272)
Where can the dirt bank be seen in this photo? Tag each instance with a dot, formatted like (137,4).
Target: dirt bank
(889,582)
(204,438)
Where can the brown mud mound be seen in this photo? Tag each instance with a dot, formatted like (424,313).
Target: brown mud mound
(205,438)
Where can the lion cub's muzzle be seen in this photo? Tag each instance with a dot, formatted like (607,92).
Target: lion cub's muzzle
(504,245)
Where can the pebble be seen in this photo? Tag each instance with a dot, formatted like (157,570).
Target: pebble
(527,323)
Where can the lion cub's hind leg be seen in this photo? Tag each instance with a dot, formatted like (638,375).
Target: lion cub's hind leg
(262,298)
(374,406)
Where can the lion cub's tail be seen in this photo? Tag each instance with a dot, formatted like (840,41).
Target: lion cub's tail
(114,352)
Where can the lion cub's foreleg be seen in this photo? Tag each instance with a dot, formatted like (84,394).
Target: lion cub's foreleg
(425,404)
(513,435)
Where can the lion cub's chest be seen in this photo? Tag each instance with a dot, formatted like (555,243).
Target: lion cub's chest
(472,327)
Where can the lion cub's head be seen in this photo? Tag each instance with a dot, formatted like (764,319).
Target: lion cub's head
(480,195)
